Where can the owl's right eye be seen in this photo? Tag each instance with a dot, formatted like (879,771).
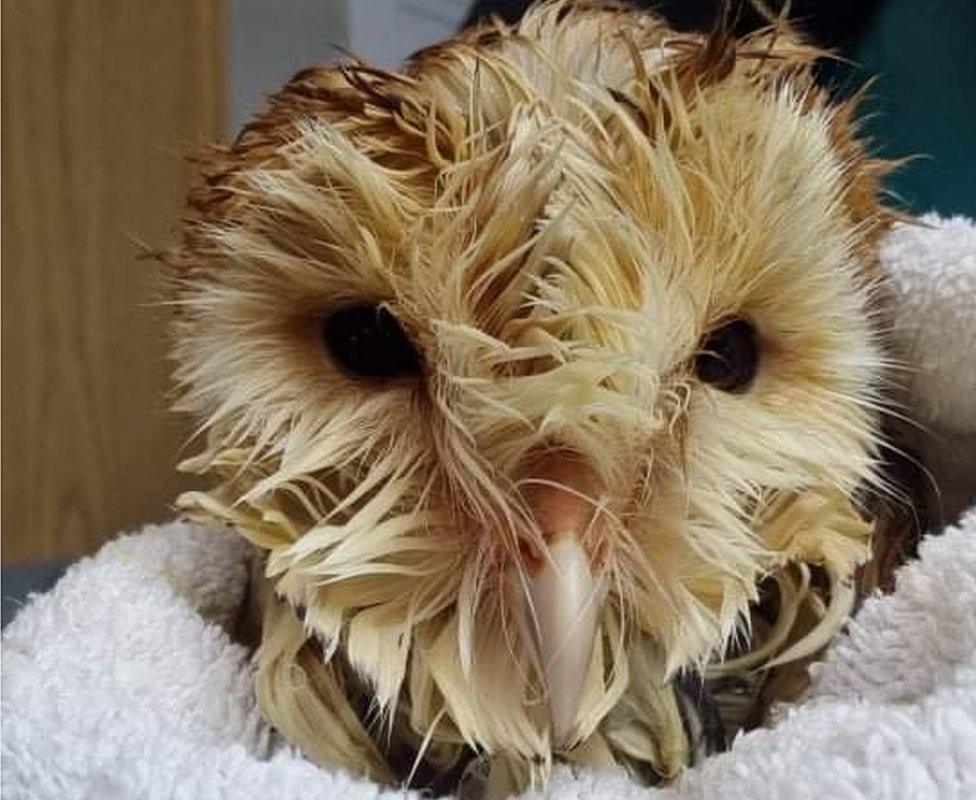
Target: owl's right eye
(729,357)
(367,342)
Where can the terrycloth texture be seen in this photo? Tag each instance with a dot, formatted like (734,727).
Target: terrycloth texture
(933,272)
(123,683)
(934,278)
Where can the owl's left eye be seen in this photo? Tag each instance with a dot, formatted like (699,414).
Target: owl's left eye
(367,342)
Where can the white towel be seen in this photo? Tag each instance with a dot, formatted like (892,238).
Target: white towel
(123,683)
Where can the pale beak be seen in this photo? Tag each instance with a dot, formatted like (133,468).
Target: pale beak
(560,616)
(562,598)
(565,603)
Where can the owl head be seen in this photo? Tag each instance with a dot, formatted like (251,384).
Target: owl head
(524,367)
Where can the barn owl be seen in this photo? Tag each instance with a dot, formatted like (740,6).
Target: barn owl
(546,378)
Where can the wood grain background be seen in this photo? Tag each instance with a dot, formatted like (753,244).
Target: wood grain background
(101,103)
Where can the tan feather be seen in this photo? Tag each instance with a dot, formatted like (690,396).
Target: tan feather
(557,213)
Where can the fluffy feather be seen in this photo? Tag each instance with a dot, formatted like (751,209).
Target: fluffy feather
(557,214)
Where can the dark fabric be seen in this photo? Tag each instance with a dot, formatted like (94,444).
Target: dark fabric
(16,583)
(827,22)
(923,104)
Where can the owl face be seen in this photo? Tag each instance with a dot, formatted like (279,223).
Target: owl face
(526,365)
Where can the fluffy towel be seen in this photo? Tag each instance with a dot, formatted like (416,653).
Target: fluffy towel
(123,683)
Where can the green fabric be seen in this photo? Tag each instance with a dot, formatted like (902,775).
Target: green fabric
(924,101)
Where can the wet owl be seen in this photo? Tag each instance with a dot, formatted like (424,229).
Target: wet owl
(546,377)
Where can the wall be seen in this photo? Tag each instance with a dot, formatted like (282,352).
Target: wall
(101,102)
(271,40)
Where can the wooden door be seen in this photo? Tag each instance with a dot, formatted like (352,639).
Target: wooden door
(101,101)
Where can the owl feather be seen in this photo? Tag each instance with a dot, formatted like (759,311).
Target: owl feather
(618,409)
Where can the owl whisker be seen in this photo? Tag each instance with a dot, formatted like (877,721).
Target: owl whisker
(599,504)
(903,496)
(422,749)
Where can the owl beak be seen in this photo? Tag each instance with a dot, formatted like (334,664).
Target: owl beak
(565,601)
(563,598)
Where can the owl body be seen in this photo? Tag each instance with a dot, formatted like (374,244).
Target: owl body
(544,376)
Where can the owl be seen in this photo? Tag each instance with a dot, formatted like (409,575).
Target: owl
(546,377)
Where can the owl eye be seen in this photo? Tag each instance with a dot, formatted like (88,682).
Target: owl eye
(367,342)
(729,356)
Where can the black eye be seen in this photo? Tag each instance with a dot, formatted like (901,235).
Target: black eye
(729,356)
(368,342)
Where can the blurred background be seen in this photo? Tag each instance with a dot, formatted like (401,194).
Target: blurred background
(102,102)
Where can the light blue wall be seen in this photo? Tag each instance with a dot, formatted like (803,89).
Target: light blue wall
(270,40)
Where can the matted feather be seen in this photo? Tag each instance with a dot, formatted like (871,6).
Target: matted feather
(557,214)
